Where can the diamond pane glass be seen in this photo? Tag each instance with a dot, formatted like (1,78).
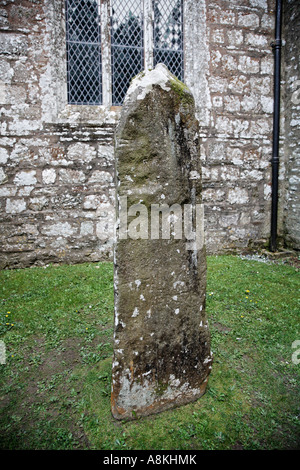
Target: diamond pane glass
(83,52)
(168,35)
(127,48)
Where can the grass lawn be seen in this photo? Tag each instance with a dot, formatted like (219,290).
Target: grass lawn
(56,323)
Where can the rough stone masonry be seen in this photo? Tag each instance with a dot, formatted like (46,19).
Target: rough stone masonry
(162,355)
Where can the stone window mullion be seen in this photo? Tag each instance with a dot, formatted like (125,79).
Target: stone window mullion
(148,34)
(105,14)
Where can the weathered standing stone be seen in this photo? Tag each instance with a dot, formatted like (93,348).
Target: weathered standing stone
(162,354)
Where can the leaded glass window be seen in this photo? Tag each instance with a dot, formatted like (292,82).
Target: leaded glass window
(83,52)
(127,45)
(111,41)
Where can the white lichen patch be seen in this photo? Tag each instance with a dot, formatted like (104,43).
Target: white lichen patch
(175,389)
(143,83)
(207,360)
(143,394)
(178,283)
(135,312)
(134,395)
(194,175)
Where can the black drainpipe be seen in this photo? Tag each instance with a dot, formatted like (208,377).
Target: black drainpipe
(276,45)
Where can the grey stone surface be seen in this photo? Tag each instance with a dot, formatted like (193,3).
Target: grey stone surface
(162,354)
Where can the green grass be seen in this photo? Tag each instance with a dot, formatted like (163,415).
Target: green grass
(55,385)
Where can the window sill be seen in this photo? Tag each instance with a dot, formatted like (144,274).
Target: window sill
(73,115)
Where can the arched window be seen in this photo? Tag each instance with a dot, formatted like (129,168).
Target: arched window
(111,41)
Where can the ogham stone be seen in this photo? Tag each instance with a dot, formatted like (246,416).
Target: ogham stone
(162,355)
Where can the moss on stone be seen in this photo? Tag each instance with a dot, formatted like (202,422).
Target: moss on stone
(161,388)
(182,91)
